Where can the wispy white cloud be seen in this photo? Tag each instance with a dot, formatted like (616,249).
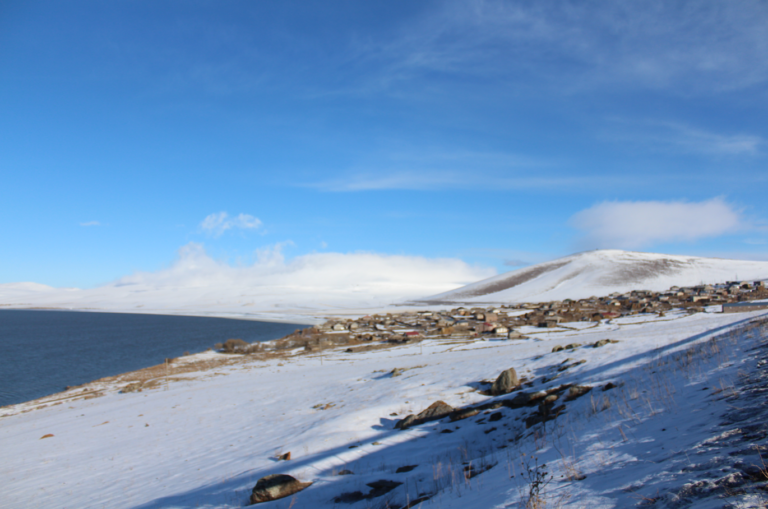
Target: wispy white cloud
(431,180)
(677,137)
(639,224)
(704,45)
(91,223)
(219,222)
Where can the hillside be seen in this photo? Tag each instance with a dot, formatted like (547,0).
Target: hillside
(598,273)
(633,411)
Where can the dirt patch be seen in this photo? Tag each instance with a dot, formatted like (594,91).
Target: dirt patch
(642,270)
(516,279)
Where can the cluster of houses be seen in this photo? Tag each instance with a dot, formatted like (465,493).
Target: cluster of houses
(506,320)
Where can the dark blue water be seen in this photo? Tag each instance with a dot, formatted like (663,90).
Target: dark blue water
(41,352)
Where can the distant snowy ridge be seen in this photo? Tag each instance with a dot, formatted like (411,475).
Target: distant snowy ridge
(298,290)
(602,272)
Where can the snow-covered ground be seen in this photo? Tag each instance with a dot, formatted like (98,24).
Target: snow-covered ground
(682,428)
(599,273)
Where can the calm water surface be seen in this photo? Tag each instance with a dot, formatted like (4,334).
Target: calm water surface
(41,352)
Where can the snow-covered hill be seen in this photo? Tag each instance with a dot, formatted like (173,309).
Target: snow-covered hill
(601,273)
(675,418)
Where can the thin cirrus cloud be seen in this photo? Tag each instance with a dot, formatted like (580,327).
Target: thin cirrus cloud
(640,224)
(218,223)
(710,46)
(91,223)
(682,138)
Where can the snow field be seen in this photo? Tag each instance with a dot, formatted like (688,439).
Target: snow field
(204,442)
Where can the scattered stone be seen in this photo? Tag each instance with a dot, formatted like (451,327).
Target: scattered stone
(609,386)
(433,412)
(406,468)
(406,423)
(276,486)
(464,413)
(132,387)
(557,348)
(577,391)
(378,488)
(603,342)
(346,472)
(577,363)
(524,398)
(549,399)
(572,346)
(49,435)
(284,457)
(495,417)
(505,382)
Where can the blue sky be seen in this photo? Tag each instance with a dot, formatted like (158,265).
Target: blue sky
(498,133)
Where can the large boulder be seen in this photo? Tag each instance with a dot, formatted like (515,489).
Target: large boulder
(276,486)
(433,412)
(505,382)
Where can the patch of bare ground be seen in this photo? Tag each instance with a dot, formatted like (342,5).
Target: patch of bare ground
(641,270)
(518,278)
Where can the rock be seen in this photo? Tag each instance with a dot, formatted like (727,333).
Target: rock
(378,488)
(524,398)
(436,410)
(346,472)
(572,346)
(433,412)
(516,335)
(285,457)
(406,423)
(609,386)
(505,382)
(557,349)
(495,417)
(603,342)
(132,387)
(577,391)
(406,468)
(549,399)
(464,413)
(276,486)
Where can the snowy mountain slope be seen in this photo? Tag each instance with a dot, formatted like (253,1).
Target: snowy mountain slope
(600,273)
(671,430)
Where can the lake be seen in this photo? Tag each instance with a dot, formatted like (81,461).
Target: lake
(41,352)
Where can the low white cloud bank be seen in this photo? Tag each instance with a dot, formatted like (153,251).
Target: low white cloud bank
(313,280)
(219,222)
(637,224)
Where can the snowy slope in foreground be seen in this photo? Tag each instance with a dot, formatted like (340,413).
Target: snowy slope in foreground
(678,428)
(600,273)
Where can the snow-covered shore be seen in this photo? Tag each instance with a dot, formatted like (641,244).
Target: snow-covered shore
(204,438)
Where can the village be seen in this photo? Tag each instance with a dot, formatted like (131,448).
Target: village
(511,321)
